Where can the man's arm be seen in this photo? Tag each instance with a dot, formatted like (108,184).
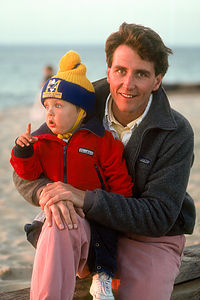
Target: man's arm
(34,191)
(30,190)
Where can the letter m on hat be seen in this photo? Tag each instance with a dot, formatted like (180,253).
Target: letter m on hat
(52,89)
(53,85)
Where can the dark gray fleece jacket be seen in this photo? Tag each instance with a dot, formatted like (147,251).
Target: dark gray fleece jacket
(159,156)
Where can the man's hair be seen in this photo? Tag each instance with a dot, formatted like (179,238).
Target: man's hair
(146,42)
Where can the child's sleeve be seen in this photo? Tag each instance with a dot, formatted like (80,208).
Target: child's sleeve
(25,161)
(114,166)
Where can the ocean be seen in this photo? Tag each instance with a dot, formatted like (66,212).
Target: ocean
(21,68)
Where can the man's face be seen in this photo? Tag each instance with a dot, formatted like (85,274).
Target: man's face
(131,80)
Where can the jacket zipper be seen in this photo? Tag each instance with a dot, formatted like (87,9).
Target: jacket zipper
(100,177)
(65,163)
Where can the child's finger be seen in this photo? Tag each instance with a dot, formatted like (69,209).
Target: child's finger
(18,142)
(22,141)
(28,129)
(30,138)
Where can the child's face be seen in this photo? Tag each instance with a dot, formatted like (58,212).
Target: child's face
(60,115)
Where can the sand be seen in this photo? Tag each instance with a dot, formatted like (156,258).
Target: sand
(16,254)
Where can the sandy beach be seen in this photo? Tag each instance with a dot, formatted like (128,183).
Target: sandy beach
(16,254)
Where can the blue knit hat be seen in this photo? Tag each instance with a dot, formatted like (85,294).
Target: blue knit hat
(71,84)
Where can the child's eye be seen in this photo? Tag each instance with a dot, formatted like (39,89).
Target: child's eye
(58,105)
(46,106)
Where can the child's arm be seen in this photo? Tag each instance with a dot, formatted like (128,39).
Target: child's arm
(24,158)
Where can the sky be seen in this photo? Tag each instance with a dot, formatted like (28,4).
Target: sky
(92,21)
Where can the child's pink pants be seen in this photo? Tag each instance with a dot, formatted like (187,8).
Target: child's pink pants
(147,267)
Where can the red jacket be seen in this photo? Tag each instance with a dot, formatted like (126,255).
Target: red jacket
(91,159)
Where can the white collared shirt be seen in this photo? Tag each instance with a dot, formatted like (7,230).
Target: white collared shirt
(119,131)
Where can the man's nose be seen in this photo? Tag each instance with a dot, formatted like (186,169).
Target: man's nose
(129,82)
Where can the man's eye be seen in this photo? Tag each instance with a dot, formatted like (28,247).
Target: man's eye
(58,105)
(142,75)
(121,71)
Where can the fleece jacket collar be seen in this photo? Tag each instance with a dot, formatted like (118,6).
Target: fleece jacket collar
(160,114)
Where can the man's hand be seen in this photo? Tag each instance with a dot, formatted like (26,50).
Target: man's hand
(62,210)
(56,200)
(26,138)
(59,191)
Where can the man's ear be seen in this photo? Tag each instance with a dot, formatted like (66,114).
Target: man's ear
(108,74)
(158,80)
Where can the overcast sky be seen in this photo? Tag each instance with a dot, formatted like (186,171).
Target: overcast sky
(91,21)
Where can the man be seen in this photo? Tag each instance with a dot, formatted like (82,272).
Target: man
(159,154)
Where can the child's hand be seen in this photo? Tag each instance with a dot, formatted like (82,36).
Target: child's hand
(26,138)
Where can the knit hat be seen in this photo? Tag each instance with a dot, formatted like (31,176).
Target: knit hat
(71,84)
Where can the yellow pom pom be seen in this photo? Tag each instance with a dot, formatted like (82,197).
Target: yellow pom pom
(72,70)
(69,61)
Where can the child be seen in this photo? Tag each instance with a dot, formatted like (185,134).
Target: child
(83,154)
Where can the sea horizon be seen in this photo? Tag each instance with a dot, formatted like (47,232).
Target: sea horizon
(22,66)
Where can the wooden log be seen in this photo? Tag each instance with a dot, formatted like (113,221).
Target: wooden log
(82,289)
(187,291)
(187,284)
(81,292)
(190,266)
(15,295)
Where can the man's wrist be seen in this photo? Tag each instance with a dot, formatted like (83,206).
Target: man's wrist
(88,200)
(41,183)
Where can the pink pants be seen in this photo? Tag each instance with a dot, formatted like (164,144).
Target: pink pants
(147,267)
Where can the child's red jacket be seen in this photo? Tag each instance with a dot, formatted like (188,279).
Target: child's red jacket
(91,159)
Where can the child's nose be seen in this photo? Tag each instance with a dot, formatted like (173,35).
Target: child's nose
(50,111)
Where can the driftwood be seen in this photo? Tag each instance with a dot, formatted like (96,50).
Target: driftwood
(187,284)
